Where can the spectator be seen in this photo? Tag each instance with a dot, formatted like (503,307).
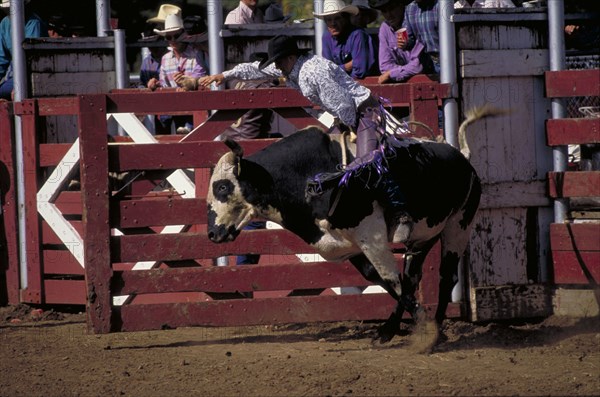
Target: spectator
(163,12)
(421,22)
(396,64)
(344,44)
(34,27)
(196,35)
(246,12)
(365,16)
(483,4)
(329,87)
(182,61)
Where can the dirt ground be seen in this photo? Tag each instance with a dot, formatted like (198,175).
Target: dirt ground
(50,354)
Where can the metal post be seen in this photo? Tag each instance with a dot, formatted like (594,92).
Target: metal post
(556,25)
(214,11)
(102,18)
(319,28)
(448,70)
(121,59)
(17,23)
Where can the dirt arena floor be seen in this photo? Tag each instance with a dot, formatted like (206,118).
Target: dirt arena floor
(50,354)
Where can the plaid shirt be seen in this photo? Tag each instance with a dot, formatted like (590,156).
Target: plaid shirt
(189,63)
(421,23)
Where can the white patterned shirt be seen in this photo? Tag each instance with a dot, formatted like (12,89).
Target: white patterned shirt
(484,4)
(243,14)
(321,81)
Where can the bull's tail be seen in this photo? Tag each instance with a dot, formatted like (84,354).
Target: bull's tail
(473,115)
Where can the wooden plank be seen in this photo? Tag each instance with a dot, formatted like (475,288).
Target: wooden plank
(50,237)
(572,83)
(575,236)
(94,184)
(514,194)
(575,267)
(64,292)
(69,203)
(174,155)
(510,301)
(574,184)
(57,106)
(238,278)
(52,153)
(260,311)
(572,131)
(33,292)
(61,262)
(9,247)
(503,63)
(56,84)
(174,247)
(158,212)
(577,302)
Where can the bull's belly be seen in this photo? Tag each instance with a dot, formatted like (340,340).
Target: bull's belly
(335,245)
(411,234)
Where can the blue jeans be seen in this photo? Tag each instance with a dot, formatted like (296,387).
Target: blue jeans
(251,259)
(6,89)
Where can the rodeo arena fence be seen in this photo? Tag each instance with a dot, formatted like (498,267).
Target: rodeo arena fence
(114,217)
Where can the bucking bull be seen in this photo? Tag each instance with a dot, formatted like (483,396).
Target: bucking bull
(441,192)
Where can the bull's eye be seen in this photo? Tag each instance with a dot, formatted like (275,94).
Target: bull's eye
(222,189)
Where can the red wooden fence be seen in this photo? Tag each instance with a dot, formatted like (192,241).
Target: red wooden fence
(284,290)
(575,246)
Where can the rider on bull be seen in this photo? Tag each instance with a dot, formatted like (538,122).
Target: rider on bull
(328,86)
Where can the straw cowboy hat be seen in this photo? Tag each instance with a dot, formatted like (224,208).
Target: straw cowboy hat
(278,47)
(173,24)
(163,12)
(363,5)
(332,7)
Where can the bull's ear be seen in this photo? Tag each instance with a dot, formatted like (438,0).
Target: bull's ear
(234,147)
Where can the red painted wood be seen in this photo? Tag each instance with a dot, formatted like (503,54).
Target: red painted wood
(33,293)
(64,292)
(157,212)
(260,311)
(424,109)
(61,262)
(173,247)
(239,278)
(9,250)
(572,83)
(57,106)
(52,153)
(50,237)
(576,267)
(574,184)
(572,131)
(216,124)
(575,237)
(175,155)
(69,203)
(299,118)
(95,198)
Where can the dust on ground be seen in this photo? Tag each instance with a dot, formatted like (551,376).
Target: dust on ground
(48,353)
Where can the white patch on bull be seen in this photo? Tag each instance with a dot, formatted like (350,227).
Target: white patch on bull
(414,233)
(369,237)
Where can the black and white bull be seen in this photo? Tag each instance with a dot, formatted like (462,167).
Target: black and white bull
(440,187)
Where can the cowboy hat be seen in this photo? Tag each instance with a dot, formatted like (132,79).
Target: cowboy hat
(274,14)
(163,12)
(378,4)
(173,23)
(332,7)
(278,47)
(363,5)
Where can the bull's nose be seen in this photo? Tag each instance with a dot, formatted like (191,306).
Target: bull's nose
(211,236)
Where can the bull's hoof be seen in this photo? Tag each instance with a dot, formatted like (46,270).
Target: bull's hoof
(425,336)
(386,333)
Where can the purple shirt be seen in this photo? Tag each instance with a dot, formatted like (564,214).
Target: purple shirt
(356,47)
(401,64)
(189,63)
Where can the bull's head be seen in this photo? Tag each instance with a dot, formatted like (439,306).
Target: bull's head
(228,209)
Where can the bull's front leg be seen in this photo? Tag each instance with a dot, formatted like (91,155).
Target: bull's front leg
(371,238)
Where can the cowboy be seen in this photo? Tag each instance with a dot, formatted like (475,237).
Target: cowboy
(346,45)
(326,85)
(246,12)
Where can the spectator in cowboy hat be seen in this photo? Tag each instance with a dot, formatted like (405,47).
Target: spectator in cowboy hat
(34,27)
(395,63)
(274,13)
(346,45)
(183,61)
(366,14)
